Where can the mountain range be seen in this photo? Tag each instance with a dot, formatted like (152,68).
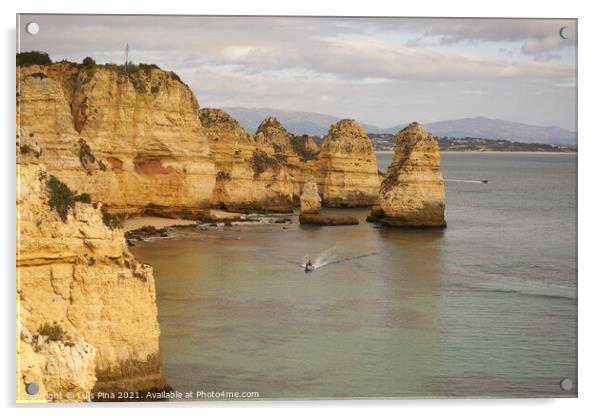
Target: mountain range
(302,122)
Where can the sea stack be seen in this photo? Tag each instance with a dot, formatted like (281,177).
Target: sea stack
(412,193)
(310,199)
(310,208)
(348,174)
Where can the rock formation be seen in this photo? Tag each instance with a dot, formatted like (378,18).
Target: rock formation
(272,134)
(136,135)
(346,170)
(413,192)
(249,177)
(310,208)
(310,199)
(344,166)
(87,317)
(137,142)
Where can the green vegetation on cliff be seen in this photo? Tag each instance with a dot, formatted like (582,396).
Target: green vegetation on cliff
(33,58)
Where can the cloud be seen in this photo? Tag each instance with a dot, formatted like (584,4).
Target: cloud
(360,59)
(536,36)
(380,70)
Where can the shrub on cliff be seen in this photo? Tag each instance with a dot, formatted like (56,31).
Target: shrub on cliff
(85,198)
(88,66)
(223,176)
(110,220)
(26,149)
(88,62)
(33,58)
(62,199)
(54,332)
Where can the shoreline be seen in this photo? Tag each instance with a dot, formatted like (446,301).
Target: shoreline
(491,151)
(213,216)
(138,222)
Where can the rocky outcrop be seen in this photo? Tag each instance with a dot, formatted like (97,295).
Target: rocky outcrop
(131,140)
(86,308)
(310,209)
(344,166)
(250,177)
(413,192)
(271,134)
(346,169)
(326,220)
(137,142)
(310,199)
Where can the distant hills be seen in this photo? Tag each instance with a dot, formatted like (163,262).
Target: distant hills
(317,124)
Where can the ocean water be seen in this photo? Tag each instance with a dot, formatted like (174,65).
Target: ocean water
(484,308)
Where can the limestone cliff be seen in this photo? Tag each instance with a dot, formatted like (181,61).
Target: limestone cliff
(87,317)
(413,192)
(250,177)
(137,142)
(344,166)
(346,171)
(136,135)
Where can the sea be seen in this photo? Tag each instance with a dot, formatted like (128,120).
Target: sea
(484,308)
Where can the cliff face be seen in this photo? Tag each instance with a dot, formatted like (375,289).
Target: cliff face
(86,307)
(413,191)
(344,166)
(138,143)
(346,171)
(137,137)
(250,176)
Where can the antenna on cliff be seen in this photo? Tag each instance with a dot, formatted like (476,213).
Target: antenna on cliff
(127,51)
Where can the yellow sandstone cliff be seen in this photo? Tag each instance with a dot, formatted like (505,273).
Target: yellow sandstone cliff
(87,317)
(250,177)
(413,191)
(268,171)
(347,173)
(137,142)
(133,141)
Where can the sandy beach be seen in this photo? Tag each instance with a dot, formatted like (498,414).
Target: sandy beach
(158,222)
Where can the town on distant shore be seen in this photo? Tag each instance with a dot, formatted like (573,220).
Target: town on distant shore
(386,142)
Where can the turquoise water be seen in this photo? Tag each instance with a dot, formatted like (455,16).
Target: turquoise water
(486,307)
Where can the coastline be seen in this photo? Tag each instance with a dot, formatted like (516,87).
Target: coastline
(490,151)
(137,222)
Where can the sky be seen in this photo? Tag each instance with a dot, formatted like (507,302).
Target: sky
(380,71)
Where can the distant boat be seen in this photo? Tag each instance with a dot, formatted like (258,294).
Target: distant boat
(484,180)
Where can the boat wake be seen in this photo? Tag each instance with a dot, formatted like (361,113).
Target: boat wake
(329,257)
(467,180)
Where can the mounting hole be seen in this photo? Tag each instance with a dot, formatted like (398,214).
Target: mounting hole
(31,388)
(566,384)
(32,28)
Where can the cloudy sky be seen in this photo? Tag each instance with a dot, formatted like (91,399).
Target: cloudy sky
(381,71)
